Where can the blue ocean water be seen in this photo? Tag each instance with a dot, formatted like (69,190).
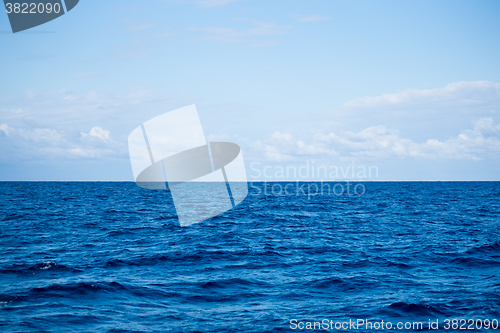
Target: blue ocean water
(111,257)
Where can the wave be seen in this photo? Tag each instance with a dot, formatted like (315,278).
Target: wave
(47,266)
(121,262)
(475,262)
(198,257)
(493,248)
(80,288)
(231,283)
(415,309)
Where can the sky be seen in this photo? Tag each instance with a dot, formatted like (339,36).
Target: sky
(410,88)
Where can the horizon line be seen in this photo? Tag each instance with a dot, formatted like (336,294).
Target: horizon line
(269,180)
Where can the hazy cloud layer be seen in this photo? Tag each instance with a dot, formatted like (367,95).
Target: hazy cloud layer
(41,126)
(214,3)
(474,93)
(312,18)
(50,144)
(201,3)
(234,35)
(54,125)
(380,142)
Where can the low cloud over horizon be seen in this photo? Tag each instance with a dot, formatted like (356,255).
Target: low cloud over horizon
(39,129)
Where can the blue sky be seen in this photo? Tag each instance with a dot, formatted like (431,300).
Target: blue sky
(412,87)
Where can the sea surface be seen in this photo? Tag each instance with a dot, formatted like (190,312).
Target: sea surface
(111,257)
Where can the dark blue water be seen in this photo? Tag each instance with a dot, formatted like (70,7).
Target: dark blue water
(111,257)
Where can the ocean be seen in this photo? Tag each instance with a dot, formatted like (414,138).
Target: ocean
(111,257)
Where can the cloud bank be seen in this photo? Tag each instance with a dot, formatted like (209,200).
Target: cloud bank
(459,122)
(379,143)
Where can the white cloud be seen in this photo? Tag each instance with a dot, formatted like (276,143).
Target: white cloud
(6,114)
(6,129)
(129,54)
(54,125)
(85,75)
(233,35)
(313,18)
(419,114)
(97,133)
(282,147)
(64,108)
(380,142)
(31,93)
(472,93)
(267,29)
(219,34)
(45,136)
(213,3)
(49,143)
(144,26)
(62,124)
(143,40)
(202,3)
